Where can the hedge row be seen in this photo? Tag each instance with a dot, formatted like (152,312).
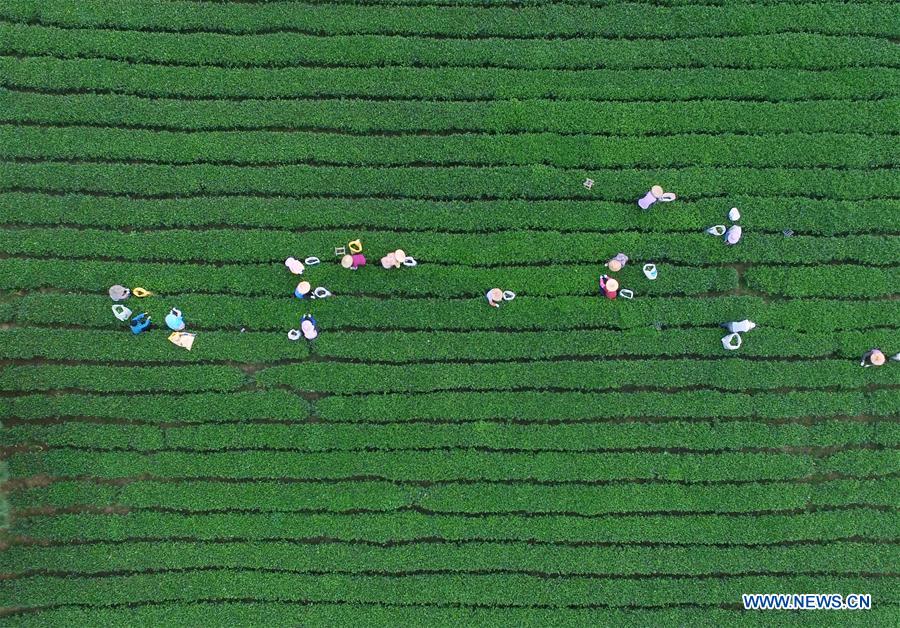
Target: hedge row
(431,589)
(227,313)
(244,612)
(439,466)
(212,407)
(545,406)
(403,347)
(425,466)
(468,557)
(795,50)
(107,379)
(730,374)
(642,118)
(315,437)
(826,281)
(822,525)
(426,281)
(511,182)
(568,151)
(277,497)
(761,214)
(441,252)
(619,20)
(448,83)
(121,346)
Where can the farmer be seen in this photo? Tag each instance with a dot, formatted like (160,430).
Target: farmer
(139,323)
(494,297)
(175,320)
(294,265)
(609,286)
(739,326)
(616,263)
(394,259)
(302,289)
(390,261)
(308,327)
(119,293)
(353,261)
(873,358)
(655,194)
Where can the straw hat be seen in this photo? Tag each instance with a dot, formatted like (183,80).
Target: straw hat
(303,287)
(877,357)
(495,295)
(657,191)
(400,256)
(347,261)
(612,285)
(614,265)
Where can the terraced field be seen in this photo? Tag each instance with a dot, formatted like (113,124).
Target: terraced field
(562,460)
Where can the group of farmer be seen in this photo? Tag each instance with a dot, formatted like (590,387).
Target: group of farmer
(352,258)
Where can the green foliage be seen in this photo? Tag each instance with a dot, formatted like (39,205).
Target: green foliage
(487,589)
(618,20)
(448,83)
(728,374)
(550,406)
(443,253)
(537,181)
(231,613)
(291,49)
(565,151)
(764,528)
(107,379)
(462,558)
(613,219)
(323,437)
(645,118)
(428,460)
(213,407)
